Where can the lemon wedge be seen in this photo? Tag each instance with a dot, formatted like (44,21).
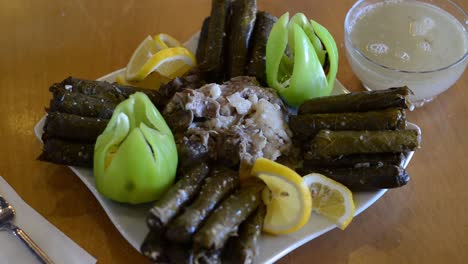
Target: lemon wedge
(287,198)
(331,199)
(164,41)
(169,62)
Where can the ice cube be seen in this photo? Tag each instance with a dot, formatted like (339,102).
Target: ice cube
(403,56)
(421,27)
(377,48)
(425,45)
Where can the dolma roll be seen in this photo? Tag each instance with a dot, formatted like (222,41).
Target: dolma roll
(367,179)
(191,151)
(355,161)
(201,48)
(100,89)
(226,218)
(179,120)
(153,247)
(213,62)
(329,143)
(306,126)
(72,127)
(157,249)
(154,95)
(67,153)
(81,105)
(244,248)
(220,183)
(191,80)
(179,253)
(358,102)
(203,256)
(111,93)
(179,194)
(241,25)
(256,65)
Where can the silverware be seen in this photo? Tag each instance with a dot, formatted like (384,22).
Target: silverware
(7,214)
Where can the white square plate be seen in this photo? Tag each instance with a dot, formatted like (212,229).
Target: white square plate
(130,220)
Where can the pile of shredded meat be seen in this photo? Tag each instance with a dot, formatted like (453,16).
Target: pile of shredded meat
(235,122)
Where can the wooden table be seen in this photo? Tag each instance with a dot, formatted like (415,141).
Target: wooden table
(42,42)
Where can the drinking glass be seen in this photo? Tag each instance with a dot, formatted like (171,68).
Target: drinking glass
(425,84)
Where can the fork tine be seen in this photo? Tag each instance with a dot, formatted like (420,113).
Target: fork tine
(3,203)
(7,212)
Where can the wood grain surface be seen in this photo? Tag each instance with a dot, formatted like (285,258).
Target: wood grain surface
(42,42)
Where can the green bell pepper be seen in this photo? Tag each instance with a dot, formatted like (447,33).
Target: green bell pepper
(135,158)
(300,75)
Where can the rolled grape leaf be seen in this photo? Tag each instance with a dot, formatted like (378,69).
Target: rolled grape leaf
(157,249)
(113,93)
(89,97)
(178,195)
(203,256)
(256,63)
(81,105)
(221,182)
(358,102)
(153,247)
(367,179)
(244,248)
(201,48)
(179,253)
(179,120)
(102,90)
(306,126)
(191,151)
(67,153)
(192,80)
(72,127)
(225,220)
(355,161)
(105,91)
(212,65)
(329,143)
(241,25)
(227,149)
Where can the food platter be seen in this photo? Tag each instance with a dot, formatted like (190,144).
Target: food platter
(130,219)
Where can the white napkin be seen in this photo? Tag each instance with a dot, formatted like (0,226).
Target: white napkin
(52,241)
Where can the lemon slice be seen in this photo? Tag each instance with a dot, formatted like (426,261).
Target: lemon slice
(140,56)
(331,199)
(288,200)
(172,62)
(164,41)
(152,81)
(120,79)
(169,62)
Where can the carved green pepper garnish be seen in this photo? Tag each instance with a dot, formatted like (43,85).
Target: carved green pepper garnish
(299,74)
(135,158)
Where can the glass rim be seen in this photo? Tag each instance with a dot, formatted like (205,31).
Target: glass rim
(347,33)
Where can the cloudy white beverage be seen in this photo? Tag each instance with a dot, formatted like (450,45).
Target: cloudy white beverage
(413,43)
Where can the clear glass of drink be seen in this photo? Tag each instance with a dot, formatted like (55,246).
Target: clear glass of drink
(422,44)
